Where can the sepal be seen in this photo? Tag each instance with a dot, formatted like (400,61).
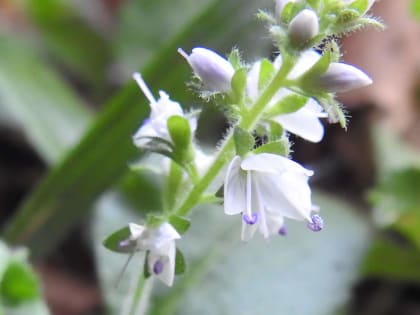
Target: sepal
(288,104)
(180,224)
(180,132)
(180,264)
(119,241)
(279,147)
(244,141)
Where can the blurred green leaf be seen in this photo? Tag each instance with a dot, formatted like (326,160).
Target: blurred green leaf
(70,40)
(51,114)
(19,284)
(398,192)
(100,159)
(391,260)
(415,8)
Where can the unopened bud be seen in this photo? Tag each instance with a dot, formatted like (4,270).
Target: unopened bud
(214,71)
(303,27)
(341,77)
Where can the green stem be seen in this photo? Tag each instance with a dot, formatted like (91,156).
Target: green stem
(137,296)
(227,151)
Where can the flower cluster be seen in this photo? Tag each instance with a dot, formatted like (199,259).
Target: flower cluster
(266,100)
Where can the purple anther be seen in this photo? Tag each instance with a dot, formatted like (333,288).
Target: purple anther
(125,243)
(145,122)
(283,231)
(250,220)
(158,267)
(317,223)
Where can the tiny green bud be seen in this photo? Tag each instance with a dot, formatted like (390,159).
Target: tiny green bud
(303,27)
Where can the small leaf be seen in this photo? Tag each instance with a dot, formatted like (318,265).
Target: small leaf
(288,104)
(19,284)
(180,132)
(359,5)
(415,8)
(243,141)
(113,241)
(179,262)
(279,147)
(146,272)
(319,68)
(266,73)
(181,224)
(235,59)
(275,130)
(238,85)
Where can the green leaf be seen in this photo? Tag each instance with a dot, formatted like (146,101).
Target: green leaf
(113,241)
(359,5)
(266,73)
(243,141)
(238,84)
(179,262)
(70,40)
(279,147)
(180,132)
(52,116)
(415,8)
(180,224)
(18,284)
(309,78)
(235,59)
(398,192)
(392,261)
(288,104)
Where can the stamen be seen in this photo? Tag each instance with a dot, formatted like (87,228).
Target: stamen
(250,220)
(137,77)
(124,243)
(316,224)
(158,267)
(283,231)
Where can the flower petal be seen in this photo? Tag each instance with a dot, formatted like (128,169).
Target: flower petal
(304,123)
(234,188)
(272,163)
(166,255)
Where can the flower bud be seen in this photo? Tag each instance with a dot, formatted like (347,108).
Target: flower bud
(214,71)
(303,27)
(341,77)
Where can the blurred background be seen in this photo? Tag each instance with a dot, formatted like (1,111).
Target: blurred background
(68,109)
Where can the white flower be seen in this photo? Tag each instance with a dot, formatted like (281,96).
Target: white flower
(161,110)
(266,188)
(303,27)
(305,121)
(160,242)
(214,71)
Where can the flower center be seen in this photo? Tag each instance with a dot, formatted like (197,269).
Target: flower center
(250,220)
(158,267)
(316,224)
